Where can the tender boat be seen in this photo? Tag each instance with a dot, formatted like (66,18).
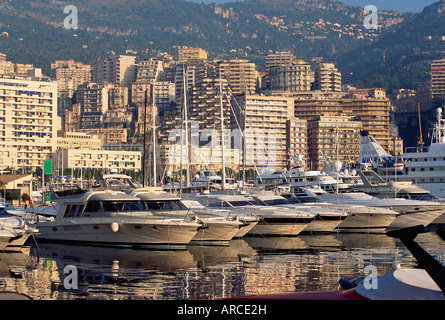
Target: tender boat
(113,218)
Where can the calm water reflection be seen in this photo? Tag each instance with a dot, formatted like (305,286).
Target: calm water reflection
(246,266)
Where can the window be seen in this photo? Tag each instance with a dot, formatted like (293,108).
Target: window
(93,206)
(69,211)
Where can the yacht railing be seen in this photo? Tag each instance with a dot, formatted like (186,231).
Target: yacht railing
(416,149)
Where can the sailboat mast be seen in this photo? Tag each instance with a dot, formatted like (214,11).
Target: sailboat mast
(187,179)
(244,143)
(154,135)
(143,147)
(223,170)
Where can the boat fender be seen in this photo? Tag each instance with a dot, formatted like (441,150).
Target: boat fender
(114,226)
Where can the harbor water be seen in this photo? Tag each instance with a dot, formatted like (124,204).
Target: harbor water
(247,266)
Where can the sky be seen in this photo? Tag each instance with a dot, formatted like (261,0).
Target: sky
(396,5)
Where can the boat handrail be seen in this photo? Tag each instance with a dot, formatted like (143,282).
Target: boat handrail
(416,149)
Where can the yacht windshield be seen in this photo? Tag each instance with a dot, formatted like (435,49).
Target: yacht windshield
(122,206)
(170,205)
(4,213)
(275,202)
(243,203)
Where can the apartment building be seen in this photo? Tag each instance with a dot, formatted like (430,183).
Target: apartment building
(296,143)
(138,89)
(70,74)
(370,106)
(77,140)
(120,70)
(265,127)
(118,97)
(28,118)
(335,138)
(114,135)
(277,59)
(241,75)
(97,159)
(327,77)
(149,69)
(205,104)
(438,78)
(292,77)
(94,100)
(72,119)
(188,53)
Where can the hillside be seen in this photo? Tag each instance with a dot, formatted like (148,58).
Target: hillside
(32,31)
(400,59)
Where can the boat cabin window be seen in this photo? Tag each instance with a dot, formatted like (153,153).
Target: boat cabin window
(93,206)
(275,202)
(122,206)
(221,204)
(73,211)
(170,205)
(243,203)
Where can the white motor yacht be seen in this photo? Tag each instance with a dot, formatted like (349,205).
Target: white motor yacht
(17,226)
(249,221)
(413,212)
(113,218)
(161,203)
(425,166)
(360,218)
(326,220)
(6,236)
(273,221)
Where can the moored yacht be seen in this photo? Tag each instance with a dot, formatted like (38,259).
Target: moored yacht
(424,166)
(6,236)
(413,212)
(18,227)
(160,203)
(249,221)
(360,218)
(273,221)
(325,219)
(113,218)
(298,178)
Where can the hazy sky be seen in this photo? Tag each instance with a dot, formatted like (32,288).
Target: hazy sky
(396,5)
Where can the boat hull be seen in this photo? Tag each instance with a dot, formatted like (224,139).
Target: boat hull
(272,227)
(322,225)
(217,231)
(135,233)
(370,221)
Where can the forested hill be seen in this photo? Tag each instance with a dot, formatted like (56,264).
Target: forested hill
(315,30)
